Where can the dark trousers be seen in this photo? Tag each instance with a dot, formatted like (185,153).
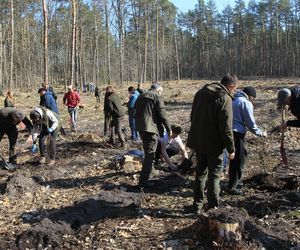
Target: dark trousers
(52,144)
(116,128)
(12,133)
(236,166)
(149,146)
(134,133)
(208,165)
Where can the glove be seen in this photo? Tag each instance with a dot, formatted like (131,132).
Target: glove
(264,134)
(50,130)
(34,149)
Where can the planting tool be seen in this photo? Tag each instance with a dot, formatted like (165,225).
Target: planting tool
(8,165)
(282,148)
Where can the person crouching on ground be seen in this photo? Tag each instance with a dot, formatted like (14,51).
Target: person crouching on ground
(9,119)
(45,123)
(72,100)
(172,146)
(243,119)
(290,98)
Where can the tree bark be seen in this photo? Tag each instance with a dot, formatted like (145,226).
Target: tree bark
(45,41)
(72,66)
(11,45)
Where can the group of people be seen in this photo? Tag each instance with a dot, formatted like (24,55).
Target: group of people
(44,122)
(220,118)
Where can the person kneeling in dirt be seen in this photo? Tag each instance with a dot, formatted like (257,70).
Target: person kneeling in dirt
(9,119)
(169,147)
(243,119)
(45,123)
(291,98)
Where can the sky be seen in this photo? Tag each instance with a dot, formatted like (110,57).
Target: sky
(185,5)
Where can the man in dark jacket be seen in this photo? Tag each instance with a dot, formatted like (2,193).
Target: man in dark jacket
(291,98)
(9,119)
(114,111)
(151,120)
(210,133)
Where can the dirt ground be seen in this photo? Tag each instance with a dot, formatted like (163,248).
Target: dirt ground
(88,200)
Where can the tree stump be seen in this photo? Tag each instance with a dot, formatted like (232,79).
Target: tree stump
(223,224)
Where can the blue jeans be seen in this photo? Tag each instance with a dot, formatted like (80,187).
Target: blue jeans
(134,133)
(73,114)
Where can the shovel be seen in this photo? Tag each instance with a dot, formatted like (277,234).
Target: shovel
(282,148)
(8,165)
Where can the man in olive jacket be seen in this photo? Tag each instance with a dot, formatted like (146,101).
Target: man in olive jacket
(151,120)
(211,133)
(114,111)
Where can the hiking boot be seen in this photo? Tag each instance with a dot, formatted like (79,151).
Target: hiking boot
(51,162)
(42,160)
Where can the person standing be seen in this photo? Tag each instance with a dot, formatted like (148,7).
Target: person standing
(243,119)
(210,133)
(48,100)
(151,120)
(51,91)
(133,95)
(115,112)
(290,98)
(9,119)
(72,100)
(139,89)
(9,100)
(97,94)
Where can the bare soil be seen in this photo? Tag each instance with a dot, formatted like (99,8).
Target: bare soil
(89,201)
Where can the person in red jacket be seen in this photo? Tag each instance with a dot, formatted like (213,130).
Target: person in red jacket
(72,100)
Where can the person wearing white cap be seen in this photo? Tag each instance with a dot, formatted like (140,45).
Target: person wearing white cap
(291,98)
(72,100)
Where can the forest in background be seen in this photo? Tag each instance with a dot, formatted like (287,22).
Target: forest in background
(117,41)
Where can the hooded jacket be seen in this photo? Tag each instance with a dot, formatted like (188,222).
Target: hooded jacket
(132,101)
(48,120)
(150,114)
(211,121)
(243,117)
(295,107)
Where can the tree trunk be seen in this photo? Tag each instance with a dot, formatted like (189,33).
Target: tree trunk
(1,59)
(157,47)
(45,42)
(107,27)
(145,44)
(11,45)
(176,53)
(72,66)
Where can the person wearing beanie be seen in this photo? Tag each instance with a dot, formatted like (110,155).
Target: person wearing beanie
(243,119)
(290,98)
(9,119)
